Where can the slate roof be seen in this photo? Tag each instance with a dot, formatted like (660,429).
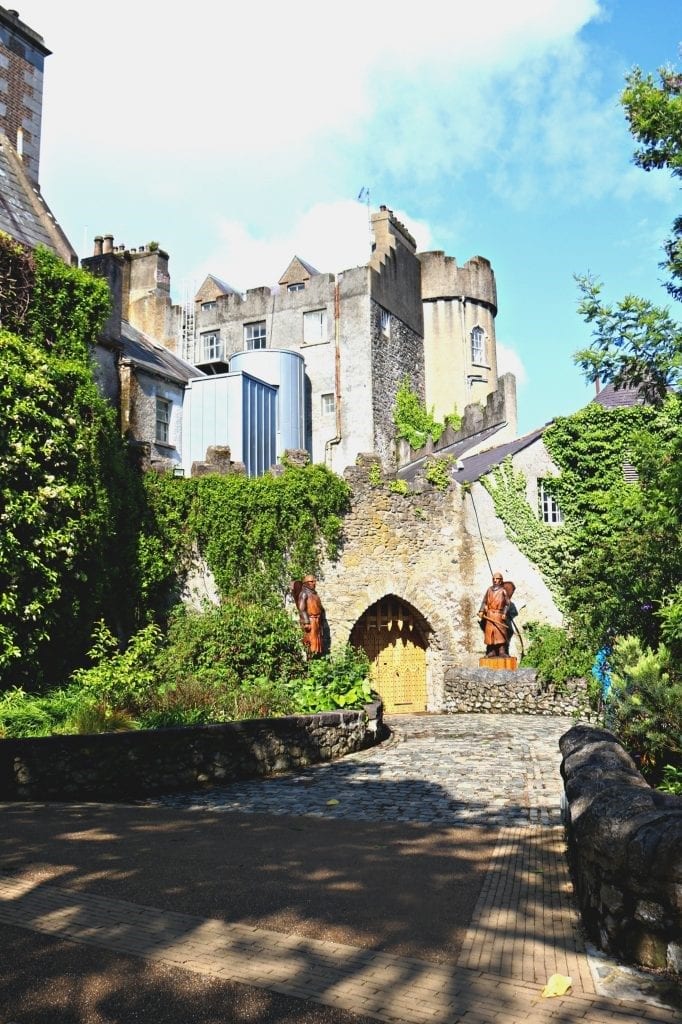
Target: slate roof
(225,288)
(152,357)
(24,214)
(478,465)
(622,398)
(456,449)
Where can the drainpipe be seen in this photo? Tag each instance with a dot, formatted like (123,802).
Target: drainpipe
(337,376)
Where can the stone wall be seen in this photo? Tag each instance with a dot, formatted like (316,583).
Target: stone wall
(396,354)
(625,844)
(130,765)
(512,693)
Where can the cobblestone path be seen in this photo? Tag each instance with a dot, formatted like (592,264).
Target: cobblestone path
(489,770)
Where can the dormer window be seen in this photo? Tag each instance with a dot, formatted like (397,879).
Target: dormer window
(478,345)
(297,286)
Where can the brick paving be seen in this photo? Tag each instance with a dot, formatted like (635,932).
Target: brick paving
(523,929)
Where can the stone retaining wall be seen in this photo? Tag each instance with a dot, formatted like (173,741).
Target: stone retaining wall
(519,692)
(625,843)
(130,765)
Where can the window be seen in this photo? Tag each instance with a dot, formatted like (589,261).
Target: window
(315,327)
(478,345)
(209,305)
(385,322)
(254,335)
(548,507)
(297,286)
(328,404)
(211,349)
(163,415)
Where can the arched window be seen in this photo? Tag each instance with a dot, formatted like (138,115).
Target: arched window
(478,345)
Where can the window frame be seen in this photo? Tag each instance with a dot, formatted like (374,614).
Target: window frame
(253,342)
(318,334)
(327,403)
(549,510)
(215,353)
(384,322)
(164,411)
(477,339)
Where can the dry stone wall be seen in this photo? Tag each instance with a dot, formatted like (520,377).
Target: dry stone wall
(511,693)
(130,765)
(625,843)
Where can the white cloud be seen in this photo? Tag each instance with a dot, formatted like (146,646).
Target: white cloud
(331,236)
(509,361)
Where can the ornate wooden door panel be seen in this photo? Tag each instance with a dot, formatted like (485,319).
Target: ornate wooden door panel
(389,634)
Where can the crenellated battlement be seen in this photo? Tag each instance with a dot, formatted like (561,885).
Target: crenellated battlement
(442,278)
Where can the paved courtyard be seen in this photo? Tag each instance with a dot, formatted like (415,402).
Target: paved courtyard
(422,881)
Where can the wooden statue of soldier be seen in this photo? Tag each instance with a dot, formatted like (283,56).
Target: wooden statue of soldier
(495,614)
(310,613)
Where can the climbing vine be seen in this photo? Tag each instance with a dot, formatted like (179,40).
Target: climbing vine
(413,421)
(272,528)
(544,545)
(437,471)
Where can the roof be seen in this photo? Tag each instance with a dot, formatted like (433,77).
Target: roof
(298,270)
(152,357)
(24,214)
(456,450)
(225,288)
(618,398)
(478,465)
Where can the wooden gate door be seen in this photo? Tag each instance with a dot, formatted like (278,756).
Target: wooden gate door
(393,641)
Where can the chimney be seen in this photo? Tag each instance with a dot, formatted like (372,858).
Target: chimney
(98,245)
(108,243)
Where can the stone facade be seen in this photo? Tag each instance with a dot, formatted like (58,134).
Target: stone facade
(457,302)
(424,548)
(130,765)
(625,843)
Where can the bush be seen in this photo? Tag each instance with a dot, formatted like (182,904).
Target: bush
(556,654)
(339,680)
(645,705)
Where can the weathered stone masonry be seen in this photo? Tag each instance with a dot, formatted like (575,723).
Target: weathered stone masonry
(129,765)
(625,843)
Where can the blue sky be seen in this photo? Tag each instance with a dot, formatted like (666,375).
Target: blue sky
(237,137)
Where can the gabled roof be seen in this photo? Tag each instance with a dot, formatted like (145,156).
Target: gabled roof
(24,214)
(612,398)
(478,465)
(153,358)
(298,270)
(212,287)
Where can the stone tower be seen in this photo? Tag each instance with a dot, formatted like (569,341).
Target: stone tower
(460,349)
(22,57)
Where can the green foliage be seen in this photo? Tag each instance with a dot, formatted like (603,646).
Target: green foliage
(611,526)
(374,475)
(654,113)
(229,645)
(165,539)
(64,482)
(544,545)
(17,278)
(437,471)
(670,616)
(671,780)
(645,703)
(120,679)
(412,420)
(338,680)
(635,343)
(399,487)
(556,653)
(277,526)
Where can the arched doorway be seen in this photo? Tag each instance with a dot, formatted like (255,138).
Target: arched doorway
(393,635)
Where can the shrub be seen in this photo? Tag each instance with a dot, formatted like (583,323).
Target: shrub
(339,680)
(556,654)
(645,704)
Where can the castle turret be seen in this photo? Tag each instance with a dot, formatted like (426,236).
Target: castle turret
(460,348)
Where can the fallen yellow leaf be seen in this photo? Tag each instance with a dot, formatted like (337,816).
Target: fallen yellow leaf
(557,985)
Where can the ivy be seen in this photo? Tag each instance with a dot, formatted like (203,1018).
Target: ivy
(437,471)
(64,485)
(544,545)
(275,528)
(413,421)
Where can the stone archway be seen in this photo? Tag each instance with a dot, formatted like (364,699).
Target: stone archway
(394,635)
